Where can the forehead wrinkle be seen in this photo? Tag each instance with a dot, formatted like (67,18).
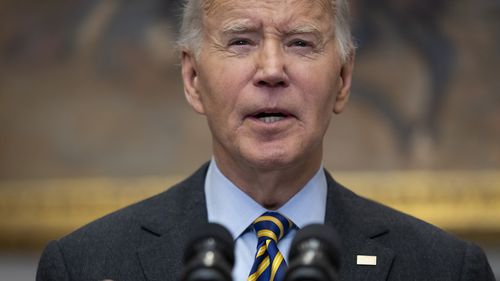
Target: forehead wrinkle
(210,6)
(310,13)
(309,5)
(309,20)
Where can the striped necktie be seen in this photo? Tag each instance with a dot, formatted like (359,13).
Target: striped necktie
(269,264)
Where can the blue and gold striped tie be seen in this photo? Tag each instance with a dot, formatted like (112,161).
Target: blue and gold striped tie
(269,264)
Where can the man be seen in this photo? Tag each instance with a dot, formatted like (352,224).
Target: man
(267,74)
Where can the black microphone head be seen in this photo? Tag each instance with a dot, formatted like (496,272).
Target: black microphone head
(325,234)
(314,254)
(211,235)
(209,254)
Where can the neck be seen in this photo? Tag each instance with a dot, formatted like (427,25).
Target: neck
(270,187)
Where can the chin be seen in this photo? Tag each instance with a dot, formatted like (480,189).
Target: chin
(274,155)
(271,160)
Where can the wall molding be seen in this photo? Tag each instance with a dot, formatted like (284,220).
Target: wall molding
(32,212)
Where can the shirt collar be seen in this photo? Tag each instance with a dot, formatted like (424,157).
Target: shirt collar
(234,209)
(308,206)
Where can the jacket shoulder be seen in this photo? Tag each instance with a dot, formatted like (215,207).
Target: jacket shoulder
(351,210)
(109,244)
(422,251)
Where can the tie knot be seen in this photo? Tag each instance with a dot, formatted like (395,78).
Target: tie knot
(272,225)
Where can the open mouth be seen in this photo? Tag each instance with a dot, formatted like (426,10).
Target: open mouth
(271,116)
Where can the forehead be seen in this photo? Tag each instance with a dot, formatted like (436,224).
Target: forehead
(284,12)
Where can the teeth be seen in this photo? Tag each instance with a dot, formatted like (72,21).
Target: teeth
(271,119)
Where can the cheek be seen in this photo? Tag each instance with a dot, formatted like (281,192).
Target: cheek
(221,92)
(319,88)
(224,81)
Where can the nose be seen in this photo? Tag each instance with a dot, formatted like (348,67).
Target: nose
(271,66)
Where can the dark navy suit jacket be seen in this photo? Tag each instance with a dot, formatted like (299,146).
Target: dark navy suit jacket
(146,241)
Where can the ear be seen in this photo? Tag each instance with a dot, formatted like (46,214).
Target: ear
(191,81)
(345,84)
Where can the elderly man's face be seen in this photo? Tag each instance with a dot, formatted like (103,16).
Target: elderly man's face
(268,78)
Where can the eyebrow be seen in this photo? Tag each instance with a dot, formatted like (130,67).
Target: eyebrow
(307,29)
(246,26)
(304,29)
(242,26)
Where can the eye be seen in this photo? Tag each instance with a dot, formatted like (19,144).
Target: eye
(240,45)
(240,42)
(299,43)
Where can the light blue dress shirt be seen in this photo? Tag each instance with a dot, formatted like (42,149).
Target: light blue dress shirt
(234,209)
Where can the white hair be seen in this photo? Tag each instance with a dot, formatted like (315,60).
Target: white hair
(192,26)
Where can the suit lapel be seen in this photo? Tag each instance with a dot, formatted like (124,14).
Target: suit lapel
(169,225)
(173,216)
(359,234)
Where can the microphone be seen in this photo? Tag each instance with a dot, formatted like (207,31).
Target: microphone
(209,255)
(314,255)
